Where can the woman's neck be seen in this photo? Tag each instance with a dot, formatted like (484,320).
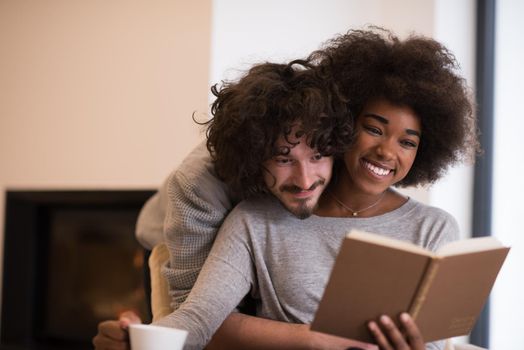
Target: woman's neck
(343,199)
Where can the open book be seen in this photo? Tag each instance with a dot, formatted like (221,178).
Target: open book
(374,275)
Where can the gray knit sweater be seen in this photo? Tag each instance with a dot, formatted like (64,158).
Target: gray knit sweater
(197,203)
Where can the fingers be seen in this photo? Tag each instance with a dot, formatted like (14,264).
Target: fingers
(389,336)
(127,318)
(110,337)
(112,330)
(380,336)
(103,343)
(412,332)
(113,335)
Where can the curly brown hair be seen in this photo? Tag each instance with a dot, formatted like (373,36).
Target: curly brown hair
(249,115)
(418,72)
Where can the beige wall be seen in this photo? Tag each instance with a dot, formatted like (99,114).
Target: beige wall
(99,94)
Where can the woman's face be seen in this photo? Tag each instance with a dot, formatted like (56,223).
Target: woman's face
(385,146)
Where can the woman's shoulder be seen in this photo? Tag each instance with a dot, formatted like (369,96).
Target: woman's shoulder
(425,210)
(440,226)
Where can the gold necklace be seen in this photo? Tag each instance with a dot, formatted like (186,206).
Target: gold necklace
(356,212)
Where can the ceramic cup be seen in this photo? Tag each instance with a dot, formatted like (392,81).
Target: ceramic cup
(149,337)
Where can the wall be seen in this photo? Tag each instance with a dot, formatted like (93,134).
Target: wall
(455,27)
(248,32)
(99,94)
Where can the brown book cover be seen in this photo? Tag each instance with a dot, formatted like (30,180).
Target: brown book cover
(375,275)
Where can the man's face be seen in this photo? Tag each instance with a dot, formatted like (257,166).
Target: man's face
(299,177)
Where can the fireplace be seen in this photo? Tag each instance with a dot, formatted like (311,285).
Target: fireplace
(70,261)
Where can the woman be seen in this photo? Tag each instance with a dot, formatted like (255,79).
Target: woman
(414,120)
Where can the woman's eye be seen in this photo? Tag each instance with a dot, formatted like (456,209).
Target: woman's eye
(409,144)
(317,156)
(373,130)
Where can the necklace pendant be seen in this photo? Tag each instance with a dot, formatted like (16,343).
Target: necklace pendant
(355,213)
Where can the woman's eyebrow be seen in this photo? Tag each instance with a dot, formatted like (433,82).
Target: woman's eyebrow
(385,121)
(413,132)
(379,118)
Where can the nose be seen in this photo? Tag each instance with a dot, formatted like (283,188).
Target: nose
(385,149)
(304,175)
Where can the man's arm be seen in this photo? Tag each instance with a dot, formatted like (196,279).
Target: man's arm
(197,204)
(185,213)
(150,223)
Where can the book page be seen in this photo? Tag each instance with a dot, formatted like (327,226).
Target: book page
(476,244)
(457,292)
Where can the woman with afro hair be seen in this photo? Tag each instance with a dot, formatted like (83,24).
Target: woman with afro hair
(413,120)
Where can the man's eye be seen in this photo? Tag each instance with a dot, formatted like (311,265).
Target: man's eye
(318,156)
(282,160)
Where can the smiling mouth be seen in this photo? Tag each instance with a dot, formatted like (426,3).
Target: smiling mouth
(303,194)
(378,171)
(296,190)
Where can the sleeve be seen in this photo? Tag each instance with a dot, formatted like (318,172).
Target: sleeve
(197,203)
(440,228)
(436,345)
(226,278)
(150,224)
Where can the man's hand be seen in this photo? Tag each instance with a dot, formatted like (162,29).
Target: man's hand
(113,335)
(389,337)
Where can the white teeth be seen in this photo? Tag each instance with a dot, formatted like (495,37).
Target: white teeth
(376,170)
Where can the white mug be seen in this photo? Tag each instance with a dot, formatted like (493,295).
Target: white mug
(149,337)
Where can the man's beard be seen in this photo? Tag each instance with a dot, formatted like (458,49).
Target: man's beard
(302,211)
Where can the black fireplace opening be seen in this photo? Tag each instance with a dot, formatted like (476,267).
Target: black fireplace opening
(71,260)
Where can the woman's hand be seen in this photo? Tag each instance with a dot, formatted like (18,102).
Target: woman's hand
(390,337)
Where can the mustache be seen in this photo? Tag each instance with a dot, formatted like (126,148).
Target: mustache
(296,189)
